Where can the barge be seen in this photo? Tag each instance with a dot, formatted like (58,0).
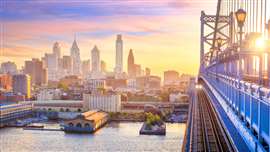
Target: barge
(87,122)
(153,130)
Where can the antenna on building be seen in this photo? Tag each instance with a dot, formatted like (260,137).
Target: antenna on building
(74,36)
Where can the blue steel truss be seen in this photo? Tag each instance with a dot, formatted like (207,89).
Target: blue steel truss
(240,71)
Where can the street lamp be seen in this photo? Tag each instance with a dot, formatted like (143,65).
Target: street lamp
(240,17)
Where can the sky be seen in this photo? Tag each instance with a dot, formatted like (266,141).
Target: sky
(164,34)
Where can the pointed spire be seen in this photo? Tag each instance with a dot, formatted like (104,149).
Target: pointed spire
(131,52)
(74,45)
(95,48)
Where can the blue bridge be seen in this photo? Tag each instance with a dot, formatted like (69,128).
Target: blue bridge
(230,102)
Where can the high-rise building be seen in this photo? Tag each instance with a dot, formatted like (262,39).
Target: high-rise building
(67,64)
(35,69)
(76,59)
(21,83)
(138,70)
(85,68)
(119,55)
(131,65)
(6,82)
(52,65)
(95,57)
(57,50)
(8,68)
(147,72)
(170,77)
(103,66)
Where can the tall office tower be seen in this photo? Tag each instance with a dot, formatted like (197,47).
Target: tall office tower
(57,50)
(85,68)
(8,68)
(95,60)
(6,82)
(138,70)
(131,65)
(67,65)
(52,65)
(21,83)
(103,66)
(35,69)
(76,59)
(119,55)
(147,72)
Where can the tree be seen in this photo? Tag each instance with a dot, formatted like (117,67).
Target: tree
(62,86)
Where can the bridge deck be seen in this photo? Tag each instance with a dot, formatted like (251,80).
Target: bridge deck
(234,134)
(207,132)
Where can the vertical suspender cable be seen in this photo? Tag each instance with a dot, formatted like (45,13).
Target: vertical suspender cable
(262,26)
(265,14)
(257,13)
(253,16)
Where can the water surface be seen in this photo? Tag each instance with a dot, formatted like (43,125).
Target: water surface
(122,136)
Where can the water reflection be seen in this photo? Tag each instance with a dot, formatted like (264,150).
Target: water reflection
(122,136)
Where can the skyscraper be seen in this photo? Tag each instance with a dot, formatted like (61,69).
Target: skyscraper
(8,67)
(103,66)
(131,65)
(21,83)
(35,69)
(52,65)
(67,64)
(147,72)
(138,70)
(119,55)
(95,60)
(85,68)
(75,55)
(57,50)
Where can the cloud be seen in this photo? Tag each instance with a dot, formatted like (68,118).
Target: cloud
(20,51)
(164,29)
(82,9)
(36,31)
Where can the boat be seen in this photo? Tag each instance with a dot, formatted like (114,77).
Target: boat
(34,126)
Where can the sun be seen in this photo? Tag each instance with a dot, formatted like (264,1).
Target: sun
(260,43)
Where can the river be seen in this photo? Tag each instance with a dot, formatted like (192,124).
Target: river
(116,136)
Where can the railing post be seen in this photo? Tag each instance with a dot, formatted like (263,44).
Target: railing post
(268,68)
(260,69)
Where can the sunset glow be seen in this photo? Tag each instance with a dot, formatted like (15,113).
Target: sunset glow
(157,30)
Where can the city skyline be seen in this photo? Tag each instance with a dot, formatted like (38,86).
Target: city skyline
(135,75)
(57,52)
(27,36)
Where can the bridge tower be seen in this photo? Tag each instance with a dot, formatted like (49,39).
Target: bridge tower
(209,34)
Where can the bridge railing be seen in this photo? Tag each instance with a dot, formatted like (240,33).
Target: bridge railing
(251,102)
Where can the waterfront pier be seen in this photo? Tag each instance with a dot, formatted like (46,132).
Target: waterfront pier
(87,122)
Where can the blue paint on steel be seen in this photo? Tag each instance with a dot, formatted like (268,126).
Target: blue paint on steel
(238,140)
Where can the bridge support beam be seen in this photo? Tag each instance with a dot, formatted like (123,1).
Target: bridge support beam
(268,70)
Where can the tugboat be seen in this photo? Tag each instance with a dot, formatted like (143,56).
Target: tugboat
(87,122)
